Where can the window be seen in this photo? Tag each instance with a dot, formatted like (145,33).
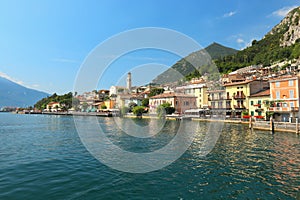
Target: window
(292,104)
(277,94)
(220,104)
(259,113)
(252,113)
(291,82)
(277,84)
(291,93)
(251,103)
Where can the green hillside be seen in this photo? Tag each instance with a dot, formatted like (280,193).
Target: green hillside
(281,43)
(199,60)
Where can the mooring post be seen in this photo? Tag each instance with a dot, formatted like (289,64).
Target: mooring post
(250,122)
(272,124)
(297,126)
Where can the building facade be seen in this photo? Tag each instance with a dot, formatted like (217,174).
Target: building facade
(284,98)
(197,90)
(181,102)
(258,104)
(238,93)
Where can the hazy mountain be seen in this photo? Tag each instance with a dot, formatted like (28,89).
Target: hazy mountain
(13,94)
(195,60)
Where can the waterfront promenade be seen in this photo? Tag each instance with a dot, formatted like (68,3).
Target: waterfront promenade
(259,125)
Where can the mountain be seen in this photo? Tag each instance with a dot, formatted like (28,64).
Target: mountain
(15,95)
(280,44)
(197,60)
(217,51)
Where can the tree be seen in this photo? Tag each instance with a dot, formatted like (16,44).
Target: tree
(75,103)
(131,105)
(145,102)
(138,110)
(103,106)
(124,110)
(84,106)
(164,109)
(156,91)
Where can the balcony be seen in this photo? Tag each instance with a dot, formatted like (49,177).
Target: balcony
(239,107)
(259,110)
(215,98)
(228,98)
(284,109)
(239,96)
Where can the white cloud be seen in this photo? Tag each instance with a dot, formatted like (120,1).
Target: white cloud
(230,14)
(243,43)
(283,11)
(240,40)
(11,79)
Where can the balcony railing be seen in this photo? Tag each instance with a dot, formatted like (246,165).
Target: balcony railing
(220,108)
(215,98)
(283,109)
(239,107)
(239,96)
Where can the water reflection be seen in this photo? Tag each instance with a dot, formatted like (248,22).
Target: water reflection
(42,157)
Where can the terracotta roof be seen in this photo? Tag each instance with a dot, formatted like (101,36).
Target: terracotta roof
(238,83)
(262,93)
(171,94)
(286,77)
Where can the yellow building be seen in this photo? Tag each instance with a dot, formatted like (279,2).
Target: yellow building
(238,93)
(258,104)
(197,90)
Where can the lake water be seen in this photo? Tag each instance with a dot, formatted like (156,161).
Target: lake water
(42,157)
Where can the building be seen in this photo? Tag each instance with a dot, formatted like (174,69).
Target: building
(219,102)
(124,100)
(128,82)
(53,107)
(284,98)
(258,104)
(238,93)
(197,90)
(116,90)
(181,102)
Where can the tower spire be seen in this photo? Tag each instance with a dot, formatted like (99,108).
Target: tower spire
(129,82)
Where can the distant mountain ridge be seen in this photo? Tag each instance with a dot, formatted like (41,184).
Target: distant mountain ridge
(194,61)
(15,95)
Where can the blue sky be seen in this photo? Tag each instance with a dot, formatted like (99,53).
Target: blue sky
(43,43)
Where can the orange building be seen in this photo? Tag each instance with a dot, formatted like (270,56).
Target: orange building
(284,93)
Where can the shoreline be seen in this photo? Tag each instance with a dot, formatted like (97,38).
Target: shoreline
(258,125)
